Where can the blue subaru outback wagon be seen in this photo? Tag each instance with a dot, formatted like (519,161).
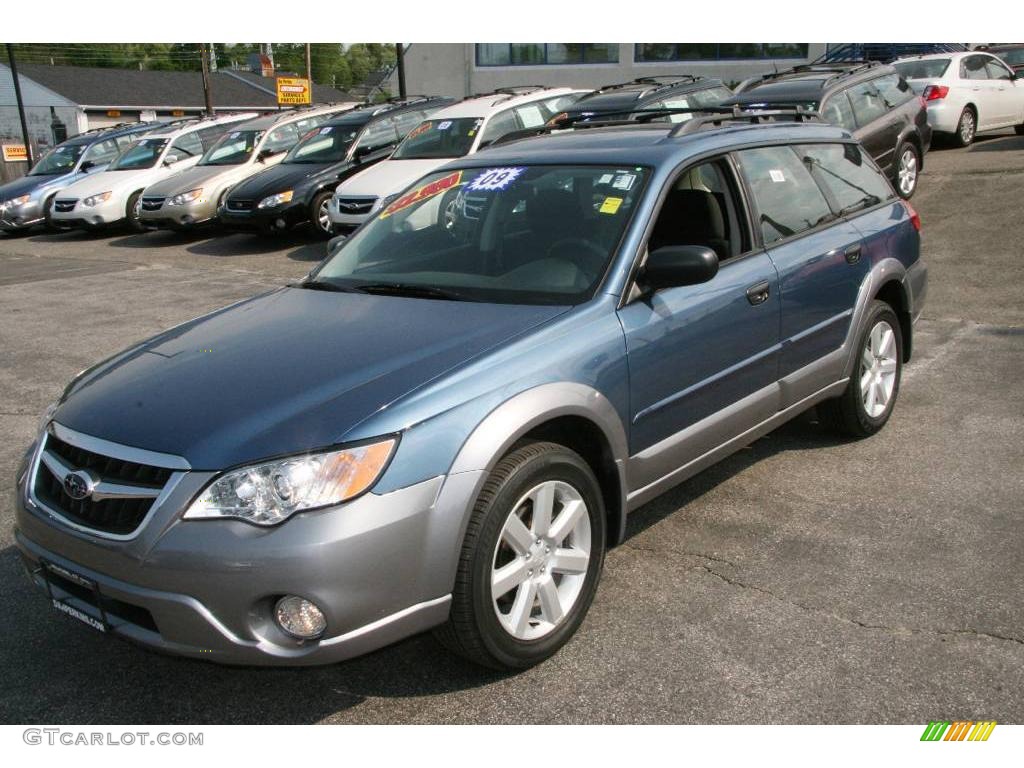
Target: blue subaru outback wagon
(445,425)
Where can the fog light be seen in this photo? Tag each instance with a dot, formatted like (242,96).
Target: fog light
(280,224)
(299,617)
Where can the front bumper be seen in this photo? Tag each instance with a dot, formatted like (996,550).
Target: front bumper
(178,217)
(207,588)
(16,218)
(265,219)
(82,217)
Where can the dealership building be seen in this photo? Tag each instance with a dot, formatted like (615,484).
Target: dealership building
(462,69)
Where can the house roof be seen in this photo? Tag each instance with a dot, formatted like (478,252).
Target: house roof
(140,89)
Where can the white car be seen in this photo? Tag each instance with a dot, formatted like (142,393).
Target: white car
(455,131)
(966,93)
(114,196)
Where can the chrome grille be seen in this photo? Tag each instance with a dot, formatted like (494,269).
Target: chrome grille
(355,206)
(121,493)
(239,205)
(152,203)
(65,206)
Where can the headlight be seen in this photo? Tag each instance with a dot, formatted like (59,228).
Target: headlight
(278,199)
(270,493)
(102,197)
(186,197)
(15,202)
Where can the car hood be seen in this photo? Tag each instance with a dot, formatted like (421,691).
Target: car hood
(289,371)
(388,177)
(25,185)
(188,180)
(102,181)
(283,177)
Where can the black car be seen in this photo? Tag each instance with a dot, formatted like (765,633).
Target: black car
(649,93)
(869,99)
(1011,53)
(299,188)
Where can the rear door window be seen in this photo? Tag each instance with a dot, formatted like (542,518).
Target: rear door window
(868,103)
(997,71)
(378,135)
(894,90)
(788,199)
(838,111)
(851,179)
(973,68)
(282,138)
(499,125)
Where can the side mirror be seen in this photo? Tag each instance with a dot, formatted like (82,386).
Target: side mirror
(676,265)
(171,159)
(264,154)
(361,152)
(334,244)
(86,166)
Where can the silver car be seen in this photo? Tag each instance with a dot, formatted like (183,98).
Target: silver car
(192,197)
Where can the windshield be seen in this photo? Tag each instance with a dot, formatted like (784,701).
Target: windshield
(1013,57)
(709,97)
(142,154)
(922,69)
(60,159)
(232,149)
(330,144)
(538,234)
(433,139)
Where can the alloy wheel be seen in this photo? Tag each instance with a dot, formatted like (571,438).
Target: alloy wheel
(323,216)
(908,172)
(878,369)
(967,127)
(541,559)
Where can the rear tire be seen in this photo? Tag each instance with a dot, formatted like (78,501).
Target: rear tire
(527,576)
(132,212)
(966,128)
(868,400)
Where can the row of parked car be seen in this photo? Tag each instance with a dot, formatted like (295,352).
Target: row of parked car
(335,166)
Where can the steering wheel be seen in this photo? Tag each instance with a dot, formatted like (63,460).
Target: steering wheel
(570,248)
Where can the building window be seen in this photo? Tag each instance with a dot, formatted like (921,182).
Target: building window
(534,54)
(718,51)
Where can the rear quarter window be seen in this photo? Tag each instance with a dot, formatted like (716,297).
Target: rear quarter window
(849,176)
(787,198)
(868,102)
(894,90)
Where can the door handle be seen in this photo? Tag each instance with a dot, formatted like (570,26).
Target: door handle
(853,254)
(758,294)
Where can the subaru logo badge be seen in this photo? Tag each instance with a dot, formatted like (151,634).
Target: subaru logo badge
(78,485)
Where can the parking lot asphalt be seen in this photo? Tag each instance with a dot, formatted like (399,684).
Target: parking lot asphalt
(804,580)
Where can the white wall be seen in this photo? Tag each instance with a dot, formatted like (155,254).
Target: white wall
(449,69)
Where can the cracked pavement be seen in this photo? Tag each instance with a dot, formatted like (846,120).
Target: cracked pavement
(803,580)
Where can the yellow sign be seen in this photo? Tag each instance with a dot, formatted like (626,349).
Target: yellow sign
(15,153)
(293,90)
(611,205)
(178,113)
(113,113)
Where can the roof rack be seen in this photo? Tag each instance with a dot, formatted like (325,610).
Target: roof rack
(704,116)
(659,81)
(839,69)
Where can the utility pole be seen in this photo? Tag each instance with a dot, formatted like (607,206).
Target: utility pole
(204,54)
(21,104)
(309,70)
(400,59)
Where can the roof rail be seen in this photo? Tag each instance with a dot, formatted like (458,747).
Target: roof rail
(703,116)
(520,90)
(722,115)
(839,69)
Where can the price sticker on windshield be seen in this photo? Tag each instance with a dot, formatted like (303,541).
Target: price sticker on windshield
(495,179)
(425,192)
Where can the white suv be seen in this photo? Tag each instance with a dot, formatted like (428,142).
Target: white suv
(115,195)
(966,93)
(458,130)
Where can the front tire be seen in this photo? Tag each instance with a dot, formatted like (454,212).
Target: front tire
(319,214)
(966,128)
(531,559)
(908,170)
(133,212)
(867,402)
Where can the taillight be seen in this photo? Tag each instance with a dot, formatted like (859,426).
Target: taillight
(934,92)
(914,218)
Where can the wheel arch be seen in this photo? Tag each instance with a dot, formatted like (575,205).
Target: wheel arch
(571,414)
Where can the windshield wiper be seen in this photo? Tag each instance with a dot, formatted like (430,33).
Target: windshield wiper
(319,285)
(415,291)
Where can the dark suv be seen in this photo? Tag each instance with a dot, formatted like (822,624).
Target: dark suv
(648,93)
(870,100)
(299,188)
